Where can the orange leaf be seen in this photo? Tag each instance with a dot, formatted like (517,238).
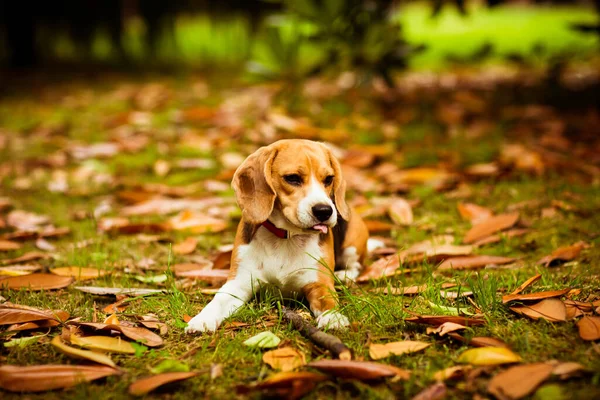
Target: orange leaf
(138,334)
(589,328)
(379,351)
(527,283)
(146,385)
(534,296)
(186,247)
(491,225)
(473,262)
(400,212)
(473,212)
(284,359)
(7,245)
(562,254)
(80,273)
(36,282)
(361,370)
(215,277)
(552,310)
(16,314)
(519,381)
(437,320)
(30,256)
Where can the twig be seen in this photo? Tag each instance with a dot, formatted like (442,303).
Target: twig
(330,342)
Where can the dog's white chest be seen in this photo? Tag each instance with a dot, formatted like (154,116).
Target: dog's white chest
(289,264)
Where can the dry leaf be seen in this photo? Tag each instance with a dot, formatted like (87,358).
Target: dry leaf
(36,282)
(80,273)
(473,262)
(196,223)
(552,310)
(534,296)
(16,314)
(376,226)
(491,225)
(41,378)
(437,391)
(285,385)
(361,370)
(7,245)
(17,270)
(488,356)
(565,370)
(509,233)
(85,354)
(527,283)
(284,359)
(455,372)
(400,212)
(562,254)
(138,334)
(146,385)
(379,351)
(405,291)
(103,343)
(383,267)
(29,256)
(446,328)
(519,381)
(186,247)
(437,320)
(484,341)
(104,291)
(474,213)
(589,328)
(215,277)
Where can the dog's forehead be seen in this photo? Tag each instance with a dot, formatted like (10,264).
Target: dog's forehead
(304,156)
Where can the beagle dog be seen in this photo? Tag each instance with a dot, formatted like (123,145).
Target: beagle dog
(295,229)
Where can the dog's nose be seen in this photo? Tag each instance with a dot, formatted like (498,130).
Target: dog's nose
(322,212)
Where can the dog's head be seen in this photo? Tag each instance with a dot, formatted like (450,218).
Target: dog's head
(299,180)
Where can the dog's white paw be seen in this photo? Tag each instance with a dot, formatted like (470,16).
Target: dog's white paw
(200,324)
(332,320)
(347,275)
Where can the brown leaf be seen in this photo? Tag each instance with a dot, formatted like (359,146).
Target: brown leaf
(534,296)
(446,328)
(196,223)
(16,314)
(400,212)
(40,378)
(456,372)
(374,226)
(473,262)
(562,254)
(483,341)
(437,391)
(85,354)
(565,370)
(509,233)
(383,267)
(437,320)
(285,385)
(284,359)
(379,351)
(405,291)
(361,370)
(36,282)
(7,245)
(527,283)
(146,385)
(215,277)
(30,256)
(491,225)
(473,212)
(138,334)
(25,220)
(104,291)
(519,381)
(186,247)
(80,273)
(589,328)
(552,310)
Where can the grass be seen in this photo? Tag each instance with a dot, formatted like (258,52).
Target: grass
(375,317)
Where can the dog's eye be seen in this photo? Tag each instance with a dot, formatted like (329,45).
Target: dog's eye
(293,179)
(328,180)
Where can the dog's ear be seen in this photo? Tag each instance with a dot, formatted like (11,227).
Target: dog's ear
(339,187)
(253,186)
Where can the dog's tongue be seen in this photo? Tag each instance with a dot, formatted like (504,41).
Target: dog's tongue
(320,227)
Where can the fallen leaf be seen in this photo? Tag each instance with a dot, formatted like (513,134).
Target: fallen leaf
(146,385)
(376,226)
(437,320)
(41,378)
(170,365)
(186,247)
(454,310)
(85,354)
(152,279)
(263,340)
(563,254)
(534,296)
(16,314)
(455,372)
(7,245)
(379,351)
(80,273)
(474,213)
(589,328)
(23,341)
(30,256)
(491,225)
(565,370)
(36,282)
(103,343)
(484,341)
(45,245)
(17,270)
(361,370)
(138,334)
(552,310)
(400,212)
(196,223)
(380,268)
(446,328)
(25,220)
(104,291)
(215,277)
(285,385)
(509,233)
(527,283)
(488,356)
(284,359)
(405,291)
(519,381)
(437,391)
(472,262)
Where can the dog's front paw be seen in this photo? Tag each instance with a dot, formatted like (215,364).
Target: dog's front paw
(347,275)
(332,320)
(200,324)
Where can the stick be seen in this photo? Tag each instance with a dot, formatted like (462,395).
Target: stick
(330,342)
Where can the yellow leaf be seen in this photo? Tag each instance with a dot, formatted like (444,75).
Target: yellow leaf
(489,356)
(85,354)
(80,273)
(103,343)
(112,320)
(379,351)
(285,359)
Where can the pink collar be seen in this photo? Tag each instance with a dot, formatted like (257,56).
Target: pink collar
(280,233)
